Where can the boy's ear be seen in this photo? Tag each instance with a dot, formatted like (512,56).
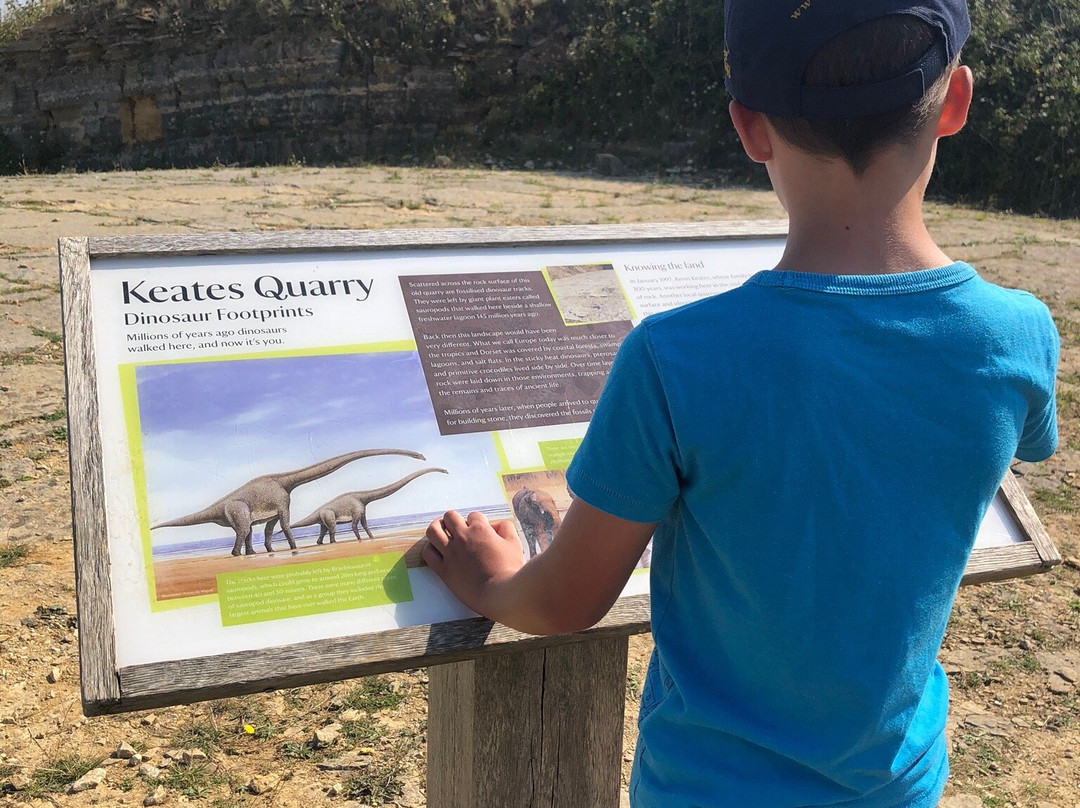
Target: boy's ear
(753,131)
(954,111)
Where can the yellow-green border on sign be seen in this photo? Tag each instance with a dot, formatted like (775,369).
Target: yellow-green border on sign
(130,401)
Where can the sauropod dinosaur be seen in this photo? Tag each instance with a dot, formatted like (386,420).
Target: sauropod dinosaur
(539,518)
(352,508)
(266,499)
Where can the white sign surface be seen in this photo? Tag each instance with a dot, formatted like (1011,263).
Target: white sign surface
(278,429)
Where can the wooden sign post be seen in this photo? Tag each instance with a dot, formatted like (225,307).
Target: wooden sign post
(529,729)
(261,426)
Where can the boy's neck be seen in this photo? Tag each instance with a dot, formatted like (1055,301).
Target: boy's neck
(845,224)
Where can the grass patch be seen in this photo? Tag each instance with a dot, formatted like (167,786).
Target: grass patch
(199,735)
(1024,661)
(59,434)
(13,554)
(51,336)
(379,783)
(55,415)
(360,733)
(59,774)
(374,693)
(194,781)
(969,680)
(297,750)
(1064,714)
(253,719)
(1060,499)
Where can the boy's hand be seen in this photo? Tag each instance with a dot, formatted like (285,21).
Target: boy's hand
(566,588)
(472,556)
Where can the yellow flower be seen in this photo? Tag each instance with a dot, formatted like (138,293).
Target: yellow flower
(250,730)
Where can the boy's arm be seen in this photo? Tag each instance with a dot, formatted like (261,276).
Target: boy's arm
(568,587)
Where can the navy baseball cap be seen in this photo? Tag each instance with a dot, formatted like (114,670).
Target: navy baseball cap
(769,43)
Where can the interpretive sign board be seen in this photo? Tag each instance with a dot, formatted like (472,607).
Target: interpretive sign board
(261,426)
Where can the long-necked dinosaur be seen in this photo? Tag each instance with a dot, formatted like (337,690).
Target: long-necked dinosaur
(266,499)
(352,508)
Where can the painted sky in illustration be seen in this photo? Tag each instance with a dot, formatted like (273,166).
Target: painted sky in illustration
(209,427)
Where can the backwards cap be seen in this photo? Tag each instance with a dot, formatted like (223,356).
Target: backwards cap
(769,43)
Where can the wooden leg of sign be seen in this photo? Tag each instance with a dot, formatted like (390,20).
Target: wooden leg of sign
(531,729)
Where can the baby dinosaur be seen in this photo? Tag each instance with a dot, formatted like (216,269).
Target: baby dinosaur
(352,508)
(266,499)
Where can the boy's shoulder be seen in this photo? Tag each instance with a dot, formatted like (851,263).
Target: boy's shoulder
(771,300)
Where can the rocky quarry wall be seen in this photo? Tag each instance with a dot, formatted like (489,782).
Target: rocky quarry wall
(139,90)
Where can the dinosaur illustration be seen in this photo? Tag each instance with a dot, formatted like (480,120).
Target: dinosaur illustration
(352,508)
(266,499)
(538,516)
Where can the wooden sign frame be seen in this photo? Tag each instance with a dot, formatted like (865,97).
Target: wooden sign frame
(109,688)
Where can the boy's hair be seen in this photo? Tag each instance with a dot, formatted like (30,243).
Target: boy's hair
(871,52)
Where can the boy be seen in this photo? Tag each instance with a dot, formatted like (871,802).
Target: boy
(814,451)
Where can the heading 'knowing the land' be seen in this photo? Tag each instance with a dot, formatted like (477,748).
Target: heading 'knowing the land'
(265,286)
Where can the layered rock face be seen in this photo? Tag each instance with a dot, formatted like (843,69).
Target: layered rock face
(141,90)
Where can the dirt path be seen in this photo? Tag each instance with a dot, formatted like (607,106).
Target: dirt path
(1012,650)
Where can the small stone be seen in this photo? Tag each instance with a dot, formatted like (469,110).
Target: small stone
(326,736)
(263,783)
(156,797)
(1068,674)
(124,751)
(148,772)
(148,720)
(92,779)
(19,781)
(990,724)
(349,762)
(1060,686)
(352,715)
(335,790)
(54,676)
(192,756)
(411,796)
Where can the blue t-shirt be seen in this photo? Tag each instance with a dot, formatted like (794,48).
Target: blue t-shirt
(819,452)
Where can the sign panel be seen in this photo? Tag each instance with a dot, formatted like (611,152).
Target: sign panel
(263,426)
